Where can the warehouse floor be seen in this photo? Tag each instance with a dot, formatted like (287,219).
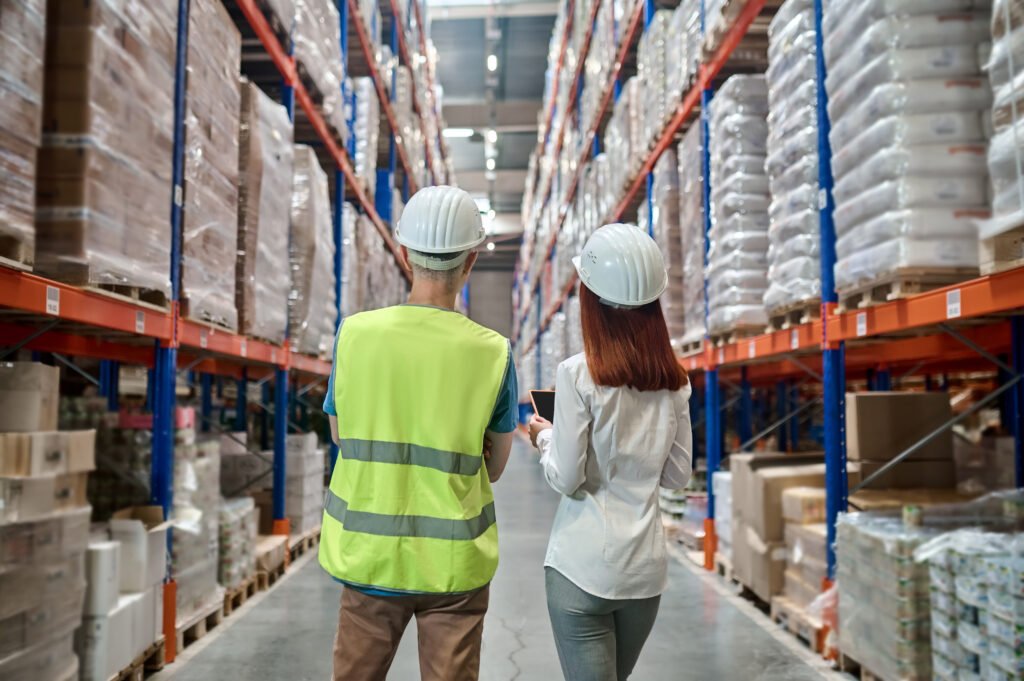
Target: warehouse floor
(702,633)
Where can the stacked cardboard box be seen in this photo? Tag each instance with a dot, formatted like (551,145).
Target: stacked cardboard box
(264,202)
(23,44)
(125,568)
(985,465)
(691,221)
(44,526)
(304,489)
(311,254)
(239,523)
(803,509)
(105,163)
(241,469)
(195,545)
(881,425)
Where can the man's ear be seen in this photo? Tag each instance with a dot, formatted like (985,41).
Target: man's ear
(404,258)
(468,265)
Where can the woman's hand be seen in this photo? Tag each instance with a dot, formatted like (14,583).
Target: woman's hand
(537,424)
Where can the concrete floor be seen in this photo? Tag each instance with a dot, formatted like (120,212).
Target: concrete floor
(702,631)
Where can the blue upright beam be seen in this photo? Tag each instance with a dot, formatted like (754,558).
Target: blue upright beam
(883,380)
(265,417)
(794,423)
(1017,408)
(781,409)
(280,442)
(205,400)
(746,425)
(110,383)
(242,402)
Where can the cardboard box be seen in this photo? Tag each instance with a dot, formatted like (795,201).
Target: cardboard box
(106,644)
(743,467)
(765,565)
(270,552)
(103,576)
(142,532)
(881,425)
(28,498)
(799,590)
(763,508)
(895,499)
(29,396)
(803,505)
(149,618)
(911,474)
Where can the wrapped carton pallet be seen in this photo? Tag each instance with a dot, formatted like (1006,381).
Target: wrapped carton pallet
(668,234)
(104,175)
(23,44)
(238,530)
(264,203)
(317,43)
(366,127)
(195,545)
(721,484)
(691,222)
(209,242)
(311,254)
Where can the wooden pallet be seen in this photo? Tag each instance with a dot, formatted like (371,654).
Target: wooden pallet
(796,621)
(723,566)
(156,300)
(300,544)
(204,316)
(735,335)
(1002,252)
(690,540)
(265,580)
(150,661)
(899,285)
(16,253)
(199,624)
(794,315)
(855,669)
(235,598)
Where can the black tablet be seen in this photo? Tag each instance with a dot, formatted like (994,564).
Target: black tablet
(544,403)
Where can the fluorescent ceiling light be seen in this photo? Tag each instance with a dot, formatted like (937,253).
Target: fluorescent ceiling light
(492,135)
(490,164)
(490,245)
(491,214)
(457,132)
(492,62)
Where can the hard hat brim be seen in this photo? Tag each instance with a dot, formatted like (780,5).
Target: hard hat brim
(408,243)
(577,263)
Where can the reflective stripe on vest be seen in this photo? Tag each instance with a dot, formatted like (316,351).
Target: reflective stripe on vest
(410,506)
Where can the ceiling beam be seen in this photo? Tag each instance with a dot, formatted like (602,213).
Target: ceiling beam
(473,10)
(512,115)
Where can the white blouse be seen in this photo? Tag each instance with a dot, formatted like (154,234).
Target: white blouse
(609,451)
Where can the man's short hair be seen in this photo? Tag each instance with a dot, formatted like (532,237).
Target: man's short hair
(440,267)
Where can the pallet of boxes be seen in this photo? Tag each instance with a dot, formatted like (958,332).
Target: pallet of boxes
(44,527)
(806,537)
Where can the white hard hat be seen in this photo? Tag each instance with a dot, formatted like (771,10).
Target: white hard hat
(623,266)
(440,221)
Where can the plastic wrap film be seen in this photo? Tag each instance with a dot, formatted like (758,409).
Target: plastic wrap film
(1006,153)
(622,137)
(304,487)
(684,51)
(691,231)
(196,536)
(367,130)
(104,174)
(238,529)
(600,58)
(668,233)
(23,43)
(907,101)
(653,60)
(887,585)
(794,277)
(209,242)
(264,205)
(380,281)
(284,10)
(316,42)
(737,271)
(721,484)
(311,301)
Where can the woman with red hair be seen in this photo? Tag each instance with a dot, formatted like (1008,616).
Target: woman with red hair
(621,430)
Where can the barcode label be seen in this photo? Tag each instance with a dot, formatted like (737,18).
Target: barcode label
(822,199)
(862,324)
(721,356)
(178,198)
(140,322)
(794,339)
(52,300)
(203,340)
(953,310)
(752,350)
(243,348)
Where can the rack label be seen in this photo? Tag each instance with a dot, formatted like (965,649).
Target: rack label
(862,324)
(52,300)
(794,339)
(721,355)
(822,199)
(140,321)
(752,350)
(953,310)
(203,340)
(178,195)
(243,348)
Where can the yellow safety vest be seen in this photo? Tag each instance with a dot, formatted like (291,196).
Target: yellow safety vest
(410,507)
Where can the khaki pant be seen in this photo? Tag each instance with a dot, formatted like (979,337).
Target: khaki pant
(450,630)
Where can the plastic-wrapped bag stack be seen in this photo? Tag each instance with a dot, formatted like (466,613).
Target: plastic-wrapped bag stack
(721,483)
(1001,244)
(311,301)
(597,68)
(653,71)
(104,171)
(264,205)
(366,129)
(622,138)
(667,232)
(238,530)
(573,327)
(794,260)
(196,536)
(381,283)
(691,229)
(684,50)
(905,100)
(23,42)
(737,272)
(317,42)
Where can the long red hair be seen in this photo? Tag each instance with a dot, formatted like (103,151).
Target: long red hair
(628,347)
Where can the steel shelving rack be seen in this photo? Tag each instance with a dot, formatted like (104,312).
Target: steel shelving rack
(48,316)
(972,326)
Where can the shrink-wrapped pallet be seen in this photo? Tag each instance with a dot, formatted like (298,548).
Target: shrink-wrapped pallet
(311,308)
(794,270)
(304,487)
(684,49)
(738,242)
(381,283)
(351,278)
(23,44)
(104,176)
(237,532)
(597,68)
(209,240)
(317,48)
(906,101)
(265,162)
(667,232)
(653,71)
(196,536)
(721,485)
(623,136)
(366,128)
(691,230)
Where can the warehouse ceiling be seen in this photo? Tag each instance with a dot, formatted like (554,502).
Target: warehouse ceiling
(506,100)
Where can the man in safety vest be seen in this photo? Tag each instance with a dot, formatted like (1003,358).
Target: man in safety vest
(418,392)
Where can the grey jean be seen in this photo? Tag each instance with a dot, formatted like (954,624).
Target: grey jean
(597,639)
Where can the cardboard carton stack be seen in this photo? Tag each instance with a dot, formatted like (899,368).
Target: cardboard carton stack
(264,202)
(196,540)
(125,568)
(238,528)
(803,509)
(210,231)
(44,527)
(104,174)
(667,232)
(721,485)
(691,221)
(23,44)
(366,127)
(304,494)
(240,469)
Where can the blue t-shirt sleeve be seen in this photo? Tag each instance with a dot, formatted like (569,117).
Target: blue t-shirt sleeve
(329,407)
(506,411)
